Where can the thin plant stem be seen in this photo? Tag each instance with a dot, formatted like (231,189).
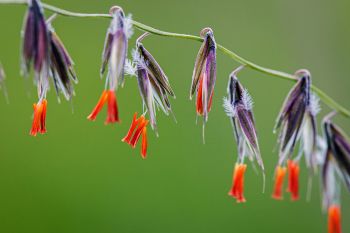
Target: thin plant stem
(275,73)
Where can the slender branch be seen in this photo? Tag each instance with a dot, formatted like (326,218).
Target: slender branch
(279,74)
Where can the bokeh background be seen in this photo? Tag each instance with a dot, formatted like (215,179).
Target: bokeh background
(80,177)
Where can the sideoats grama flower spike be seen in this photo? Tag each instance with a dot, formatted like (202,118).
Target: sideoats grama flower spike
(43,48)
(113,59)
(336,168)
(204,74)
(238,106)
(115,48)
(297,124)
(297,120)
(338,150)
(153,84)
(36,50)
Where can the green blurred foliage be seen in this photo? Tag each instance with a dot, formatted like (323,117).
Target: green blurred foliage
(81,178)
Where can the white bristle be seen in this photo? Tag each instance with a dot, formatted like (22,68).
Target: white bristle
(128,26)
(247,100)
(229,108)
(314,104)
(130,68)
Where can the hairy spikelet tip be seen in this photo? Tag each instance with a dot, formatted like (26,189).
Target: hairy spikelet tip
(315,107)
(130,68)
(229,108)
(128,26)
(137,59)
(247,100)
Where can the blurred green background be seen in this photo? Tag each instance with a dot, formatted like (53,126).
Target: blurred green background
(81,178)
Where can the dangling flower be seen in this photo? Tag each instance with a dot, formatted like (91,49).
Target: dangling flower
(137,128)
(297,121)
(338,149)
(331,184)
(153,84)
(114,56)
(36,50)
(237,190)
(43,48)
(204,75)
(238,106)
(336,168)
(337,160)
(36,47)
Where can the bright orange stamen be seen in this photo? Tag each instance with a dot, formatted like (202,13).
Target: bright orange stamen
(137,134)
(279,178)
(133,125)
(237,189)
(293,179)
(199,103)
(137,129)
(112,113)
(334,219)
(39,124)
(99,106)
(43,117)
(144,143)
(36,120)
